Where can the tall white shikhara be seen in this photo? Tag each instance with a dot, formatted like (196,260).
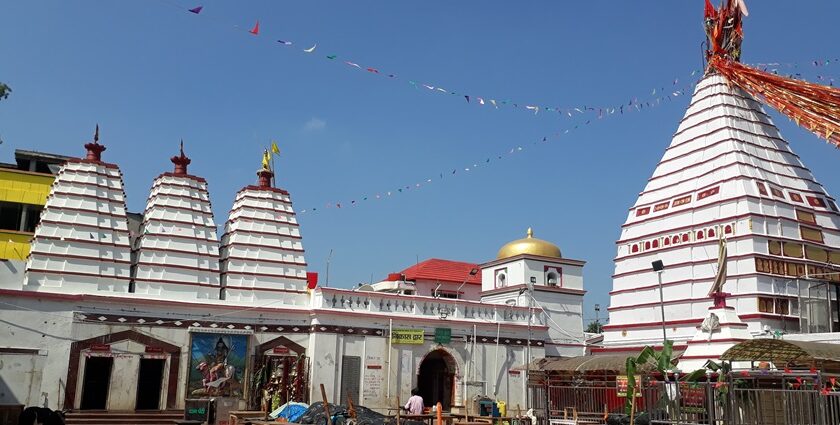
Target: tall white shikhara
(81,244)
(178,254)
(727,173)
(262,251)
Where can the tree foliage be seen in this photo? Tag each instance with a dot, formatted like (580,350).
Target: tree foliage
(4,91)
(595,327)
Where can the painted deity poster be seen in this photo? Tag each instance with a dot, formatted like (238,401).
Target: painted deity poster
(217,365)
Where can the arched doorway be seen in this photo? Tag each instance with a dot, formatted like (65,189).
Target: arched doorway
(436,378)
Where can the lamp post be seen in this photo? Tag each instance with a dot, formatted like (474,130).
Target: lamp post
(473,272)
(658,267)
(528,287)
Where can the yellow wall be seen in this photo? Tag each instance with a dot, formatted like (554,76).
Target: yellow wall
(14,245)
(23,187)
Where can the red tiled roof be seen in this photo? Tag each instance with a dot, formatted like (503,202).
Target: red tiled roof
(443,271)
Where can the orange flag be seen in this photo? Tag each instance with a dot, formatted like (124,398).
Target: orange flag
(256,29)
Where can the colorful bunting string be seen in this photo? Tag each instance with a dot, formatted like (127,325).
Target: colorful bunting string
(486,161)
(532,108)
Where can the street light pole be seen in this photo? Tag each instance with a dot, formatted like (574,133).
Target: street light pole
(658,267)
(528,360)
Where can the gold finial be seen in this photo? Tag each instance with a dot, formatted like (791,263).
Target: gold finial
(530,233)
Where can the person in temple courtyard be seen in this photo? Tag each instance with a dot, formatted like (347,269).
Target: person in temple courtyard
(414,406)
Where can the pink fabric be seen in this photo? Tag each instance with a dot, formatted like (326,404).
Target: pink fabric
(415,405)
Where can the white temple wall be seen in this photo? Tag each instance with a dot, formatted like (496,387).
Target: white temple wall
(514,275)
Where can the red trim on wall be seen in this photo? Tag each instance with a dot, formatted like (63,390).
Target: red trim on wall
(695,300)
(177,266)
(276,276)
(268,210)
(684,263)
(89,226)
(281,235)
(174,235)
(121,297)
(82,210)
(714,341)
(258,220)
(81,257)
(265,260)
(89,161)
(269,189)
(435,320)
(147,220)
(62,272)
(159,183)
(179,251)
(253,245)
(265,289)
(711,205)
(177,282)
(183,176)
(170,207)
(110,201)
(634,349)
(36,238)
(79,172)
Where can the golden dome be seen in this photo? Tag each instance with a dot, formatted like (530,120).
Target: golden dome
(529,245)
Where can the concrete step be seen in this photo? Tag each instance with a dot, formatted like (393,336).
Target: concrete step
(166,417)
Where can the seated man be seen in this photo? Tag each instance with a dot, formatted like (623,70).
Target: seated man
(414,406)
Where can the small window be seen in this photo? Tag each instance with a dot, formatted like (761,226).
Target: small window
(727,229)
(635,248)
(552,279)
(10,216)
(699,235)
(501,280)
(774,247)
(762,189)
(816,254)
(33,216)
(782,306)
(795,197)
(655,243)
(685,237)
(666,241)
(809,234)
(815,201)
(711,233)
(765,304)
(791,249)
(806,217)
(675,240)
(647,245)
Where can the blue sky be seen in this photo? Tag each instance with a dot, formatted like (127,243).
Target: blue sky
(151,73)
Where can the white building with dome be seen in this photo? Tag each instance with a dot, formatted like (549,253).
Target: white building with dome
(119,312)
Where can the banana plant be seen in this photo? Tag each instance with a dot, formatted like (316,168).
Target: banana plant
(661,361)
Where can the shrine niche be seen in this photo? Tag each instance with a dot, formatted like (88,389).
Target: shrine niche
(280,375)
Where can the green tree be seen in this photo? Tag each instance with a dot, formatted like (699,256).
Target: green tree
(4,91)
(595,327)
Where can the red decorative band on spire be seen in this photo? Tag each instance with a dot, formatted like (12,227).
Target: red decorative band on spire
(265,178)
(181,162)
(94,151)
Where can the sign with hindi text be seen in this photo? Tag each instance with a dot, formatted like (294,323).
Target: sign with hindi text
(407,336)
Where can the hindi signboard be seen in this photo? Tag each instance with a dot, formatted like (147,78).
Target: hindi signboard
(407,336)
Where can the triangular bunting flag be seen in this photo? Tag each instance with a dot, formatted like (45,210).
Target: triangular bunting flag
(256,29)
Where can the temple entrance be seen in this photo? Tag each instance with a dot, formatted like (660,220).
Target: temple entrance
(436,378)
(150,384)
(95,383)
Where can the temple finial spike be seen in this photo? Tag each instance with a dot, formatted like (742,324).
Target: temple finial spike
(530,232)
(96,134)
